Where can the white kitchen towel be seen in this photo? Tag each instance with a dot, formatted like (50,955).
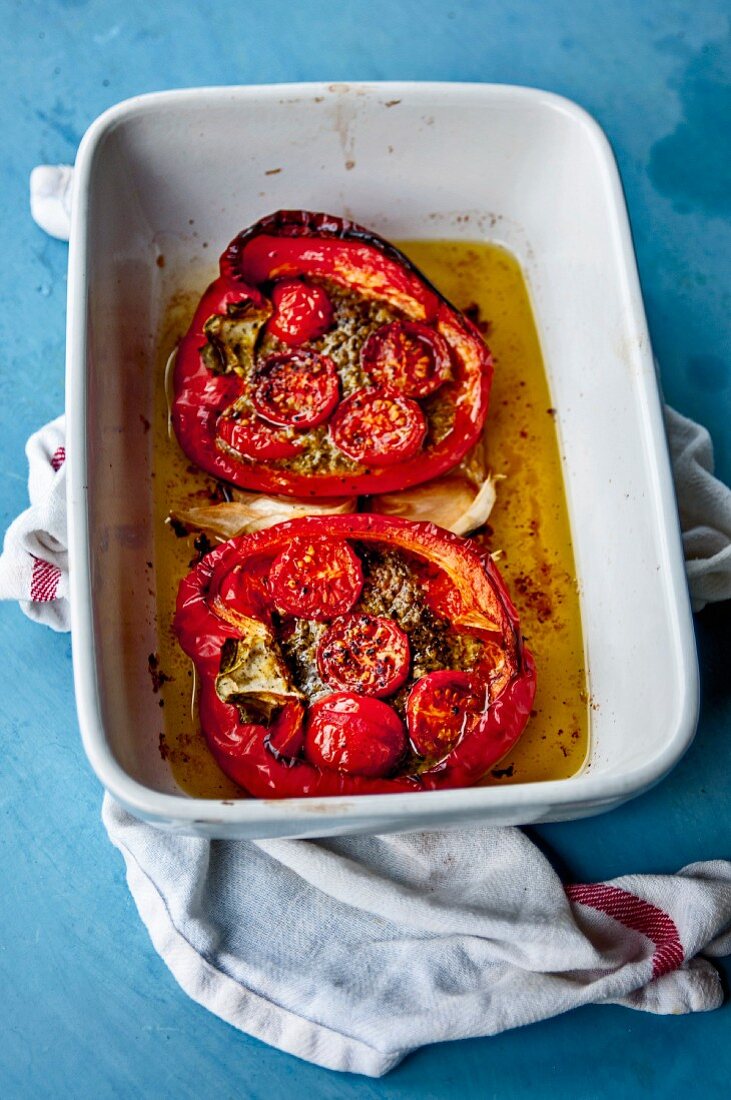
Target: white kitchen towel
(351,952)
(51,194)
(704,504)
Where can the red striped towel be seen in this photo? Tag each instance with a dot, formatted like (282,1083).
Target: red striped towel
(34,561)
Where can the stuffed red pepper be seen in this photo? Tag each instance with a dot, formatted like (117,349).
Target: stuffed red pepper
(354,654)
(322,363)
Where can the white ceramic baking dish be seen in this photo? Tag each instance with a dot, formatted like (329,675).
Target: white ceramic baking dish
(166,172)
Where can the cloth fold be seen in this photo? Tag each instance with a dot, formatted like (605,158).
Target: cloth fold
(704,504)
(51,194)
(351,952)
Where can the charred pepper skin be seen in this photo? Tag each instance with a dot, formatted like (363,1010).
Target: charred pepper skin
(296,244)
(482,604)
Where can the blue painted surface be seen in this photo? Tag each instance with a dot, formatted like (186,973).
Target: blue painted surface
(88,1008)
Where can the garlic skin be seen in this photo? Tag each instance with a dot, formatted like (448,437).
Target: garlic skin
(253,673)
(451,502)
(249,512)
(460,501)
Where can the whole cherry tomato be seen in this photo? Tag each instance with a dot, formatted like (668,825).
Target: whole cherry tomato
(354,734)
(302,311)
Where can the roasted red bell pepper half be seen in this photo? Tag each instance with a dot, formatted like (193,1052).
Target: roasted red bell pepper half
(430,696)
(322,363)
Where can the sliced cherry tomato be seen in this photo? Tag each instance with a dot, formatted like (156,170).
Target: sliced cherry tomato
(442,708)
(316,578)
(354,734)
(441,595)
(407,356)
(244,589)
(303,312)
(364,653)
(297,389)
(254,438)
(378,427)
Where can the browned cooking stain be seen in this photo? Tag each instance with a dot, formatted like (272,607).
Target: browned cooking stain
(528,530)
(474,314)
(202,546)
(157,676)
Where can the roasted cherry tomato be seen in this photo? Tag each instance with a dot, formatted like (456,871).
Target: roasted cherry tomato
(407,356)
(364,653)
(440,593)
(254,438)
(296,389)
(245,591)
(442,708)
(302,312)
(354,734)
(316,578)
(378,427)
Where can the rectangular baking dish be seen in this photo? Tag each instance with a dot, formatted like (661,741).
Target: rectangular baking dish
(175,173)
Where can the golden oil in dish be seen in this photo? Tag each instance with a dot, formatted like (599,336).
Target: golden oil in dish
(529,525)
(528,529)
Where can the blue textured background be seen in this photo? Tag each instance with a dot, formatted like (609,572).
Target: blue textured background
(88,1008)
